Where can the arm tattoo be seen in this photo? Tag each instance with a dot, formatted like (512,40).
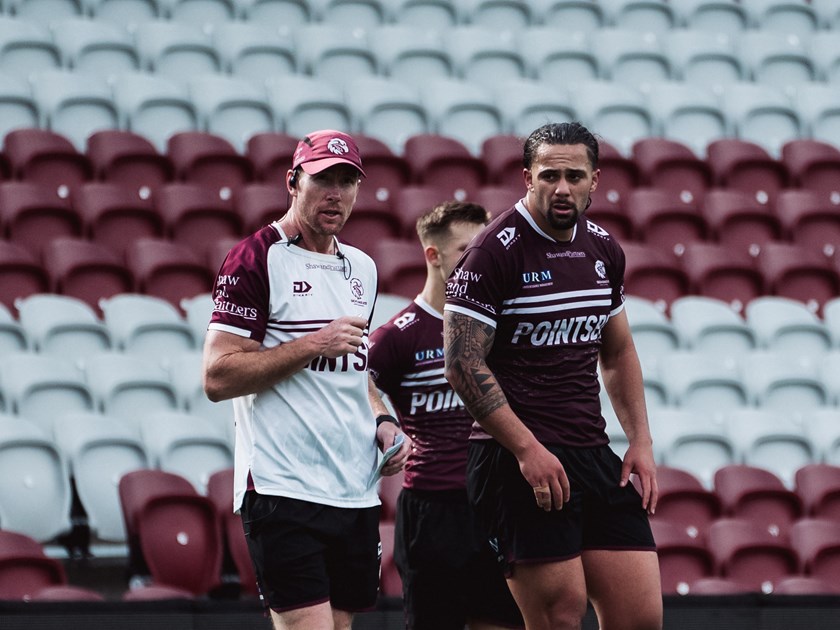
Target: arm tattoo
(467,342)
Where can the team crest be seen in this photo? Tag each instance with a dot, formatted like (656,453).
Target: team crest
(600,269)
(357,288)
(338,146)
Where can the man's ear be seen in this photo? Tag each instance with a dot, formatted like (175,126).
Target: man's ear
(432,255)
(595,176)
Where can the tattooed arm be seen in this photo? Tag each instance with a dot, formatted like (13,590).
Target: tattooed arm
(467,341)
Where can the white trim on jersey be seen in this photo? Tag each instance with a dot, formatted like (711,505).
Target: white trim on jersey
(230,329)
(553,307)
(563,295)
(521,209)
(470,313)
(420,379)
(419,301)
(617,310)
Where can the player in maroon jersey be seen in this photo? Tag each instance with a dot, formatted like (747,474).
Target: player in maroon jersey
(533,309)
(450,573)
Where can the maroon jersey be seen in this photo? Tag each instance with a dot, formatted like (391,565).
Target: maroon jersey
(548,302)
(406,361)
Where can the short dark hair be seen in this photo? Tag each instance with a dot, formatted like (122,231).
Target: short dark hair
(560,133)
(436,221)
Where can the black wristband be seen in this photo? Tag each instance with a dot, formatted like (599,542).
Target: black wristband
(386,417)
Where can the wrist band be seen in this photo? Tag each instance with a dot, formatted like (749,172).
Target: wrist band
(385,417)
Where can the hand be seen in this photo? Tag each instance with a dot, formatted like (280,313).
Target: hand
(639,459)
(546,475)
(341,336)
(386,435)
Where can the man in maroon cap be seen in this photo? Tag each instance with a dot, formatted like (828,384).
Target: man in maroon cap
(288,342)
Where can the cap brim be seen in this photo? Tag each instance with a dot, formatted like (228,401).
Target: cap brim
(316,166)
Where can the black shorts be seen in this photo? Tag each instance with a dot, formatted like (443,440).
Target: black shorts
(450,573)
(307,553)
(599,515)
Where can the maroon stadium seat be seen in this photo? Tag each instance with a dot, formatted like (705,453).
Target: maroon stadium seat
(372,220)
(445,163)
(665,219)
(115,215)
(497,199)
(670,165)
(156,592)
(21,274)
(683,557)
(736,219)
(204,158)
(817,543)
(32,214)
(756,495)
(720,586)
(812,164)
(799,273)
(45,157)
(722,272)
(167,270)
(502,156)
(66,593)
(619,175)
(684,502)
(806,585)
(128,159)
(653,274)
(401,266)
(611,216)
(743,165)
(412,202)
(271,154)
(386,172)
(24,567)
(818,485)
(810,218)
(259,204)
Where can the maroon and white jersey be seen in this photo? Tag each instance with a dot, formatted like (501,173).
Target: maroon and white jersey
(548,302)
(406,361)
(311,436)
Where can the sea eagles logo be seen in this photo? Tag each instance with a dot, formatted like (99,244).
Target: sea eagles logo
(600,269)
(357,288)
(338,146)
(506,235)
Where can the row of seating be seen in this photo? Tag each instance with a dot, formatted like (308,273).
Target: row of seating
(730,16)
(78,104)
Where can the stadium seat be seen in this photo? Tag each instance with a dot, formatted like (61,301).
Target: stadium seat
(526,104)
(100,449)
(35,492)
(21,274)
(653,274)
(175,530)
(156,592)
(787,326)
(147,325)
(692,441)
(573,15)
(154,106)
(772,441)
(743,165)
(197,311)
(386,171)
(497,199)
(796,272)
(779,60)
(176,50)
(115,216)
(411,203)
(125,13)
(484,55)
(205,159)
(25,568)
(74,104)
(271,156)
(504,15)
(502,157)
(716,16)
(40,156)
(813,165)
(168,270)
(758,495)
(66,593)
(640,15)
(185,444)
(817,105)
(303,103)
(371,221)
(463,111)
(825,51)
(784,381)
(185,374)
(552,59)
(684,502)
(290,13)
(445,163)
(746,552)
(13,336)
(828,13)
(254,50)
(762,114)
(333,53)
(705,60)
(19,110)
(195,214)
(817,543)
(411,54)
(829,371)
(95,47)
(27,47)
(126,385)
(219,250)
(619,175)
(84,269)
(783,16)
(386,109)
(351,14)
(429,14)
(818,486)
(656,390)
(220,491)
(31,215)
(619,112)
(687,116)
(805,585)
(810,218)
(653,332)
(62,325)
(204,13)
(128,160)
(710,325)
(259,204)
(738,221)
(672,166)
(665,219)
(635,58)
(683,556)
(44,11)
(703,382)
(401,266)
(723,586)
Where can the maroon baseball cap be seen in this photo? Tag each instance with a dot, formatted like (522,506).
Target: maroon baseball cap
(321,149)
